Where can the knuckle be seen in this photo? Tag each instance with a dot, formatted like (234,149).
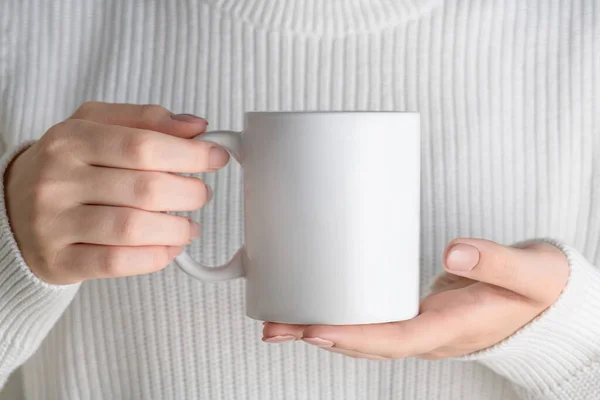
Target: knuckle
(43,190)
(86,108)
(57,129)
(112,261)
(139,149)
(60,140)
(56,139)
(47,190)
(147,189)
(127,226)
(151,112)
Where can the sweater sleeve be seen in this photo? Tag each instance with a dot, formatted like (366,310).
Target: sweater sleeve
(29,307)
(557,355)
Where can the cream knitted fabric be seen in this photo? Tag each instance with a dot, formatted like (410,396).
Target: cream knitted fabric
(509,93)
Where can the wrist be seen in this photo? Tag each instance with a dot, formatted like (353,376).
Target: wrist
(559,346)
(15,189)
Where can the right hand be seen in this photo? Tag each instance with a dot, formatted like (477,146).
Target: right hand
(87,200)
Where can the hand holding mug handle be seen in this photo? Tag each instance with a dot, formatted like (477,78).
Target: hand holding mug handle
(230,141)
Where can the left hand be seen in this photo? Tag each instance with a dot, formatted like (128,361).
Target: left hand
(487,293)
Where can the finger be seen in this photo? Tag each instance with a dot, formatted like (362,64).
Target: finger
(147,116)
(451,323)
(88,261)
(274,332)
(355,354)
(446,281)
(402,339)
(151,191)
(539,272)
(483,315)
(122,147)
(123,226)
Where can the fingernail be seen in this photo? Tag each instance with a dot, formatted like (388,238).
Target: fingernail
(217,157)
(209,194)
(187,118)
(279,339)
(462,257)
(319,342)
(194,229)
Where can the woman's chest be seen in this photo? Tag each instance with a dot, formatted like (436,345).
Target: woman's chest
(509,99)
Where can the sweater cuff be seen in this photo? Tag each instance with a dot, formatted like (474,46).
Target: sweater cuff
(557,355)
(29,307)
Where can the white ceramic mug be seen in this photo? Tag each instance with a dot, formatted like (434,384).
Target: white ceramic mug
(332,215)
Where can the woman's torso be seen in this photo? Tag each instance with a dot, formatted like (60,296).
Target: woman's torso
(507,93)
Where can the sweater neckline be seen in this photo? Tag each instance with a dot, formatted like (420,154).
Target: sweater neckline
(324,17)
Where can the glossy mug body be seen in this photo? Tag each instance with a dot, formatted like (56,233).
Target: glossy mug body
(331,215)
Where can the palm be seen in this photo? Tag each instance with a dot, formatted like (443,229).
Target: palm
(492,313)
(506,290)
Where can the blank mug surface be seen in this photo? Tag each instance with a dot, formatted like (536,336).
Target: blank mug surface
(332,215)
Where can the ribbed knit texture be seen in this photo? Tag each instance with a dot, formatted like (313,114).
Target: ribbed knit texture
(509,94)
(28,307)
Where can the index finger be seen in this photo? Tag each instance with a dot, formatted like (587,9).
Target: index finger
(131,148)
(419,335)
(401,339)
(142,116)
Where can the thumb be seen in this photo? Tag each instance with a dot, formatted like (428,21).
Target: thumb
(538,271)
(148,116)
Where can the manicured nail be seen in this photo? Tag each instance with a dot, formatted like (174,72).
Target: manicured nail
(209,194)
(279,339)
(462,257)
(217,158)
(194,229)
(187,118)
(319,342)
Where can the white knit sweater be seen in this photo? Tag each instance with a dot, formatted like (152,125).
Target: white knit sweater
(509,93)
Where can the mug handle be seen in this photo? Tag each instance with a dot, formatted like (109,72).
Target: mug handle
(234,268)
